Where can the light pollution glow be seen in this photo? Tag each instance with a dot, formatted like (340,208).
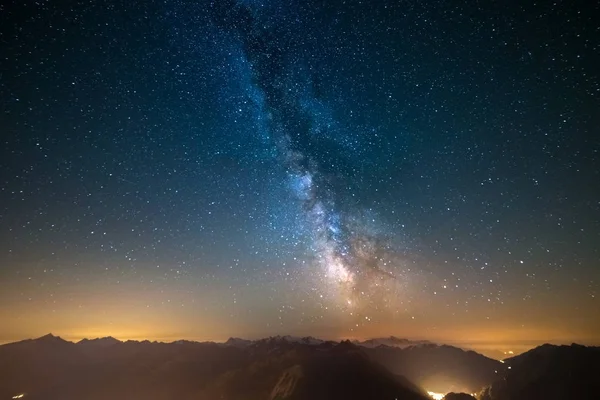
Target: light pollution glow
(133,313)
(436,396)
(493,345)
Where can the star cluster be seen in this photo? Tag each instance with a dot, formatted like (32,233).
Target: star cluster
(227,168)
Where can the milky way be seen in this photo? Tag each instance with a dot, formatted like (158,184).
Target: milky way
(354,261)
(206,169)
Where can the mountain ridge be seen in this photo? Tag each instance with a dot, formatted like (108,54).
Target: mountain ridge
(549,372)
(279,367)
(391,341)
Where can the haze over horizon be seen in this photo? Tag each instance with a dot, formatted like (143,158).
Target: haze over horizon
(495,350)
(250,168)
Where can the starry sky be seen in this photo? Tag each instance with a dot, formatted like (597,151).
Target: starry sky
(341,169)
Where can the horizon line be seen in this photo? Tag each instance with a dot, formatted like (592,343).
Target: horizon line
(172,339)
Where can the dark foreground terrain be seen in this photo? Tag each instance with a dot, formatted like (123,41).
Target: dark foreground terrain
(51,368)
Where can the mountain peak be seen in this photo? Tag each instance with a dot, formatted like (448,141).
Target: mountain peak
(47,340)
(345,345)
(50,338)
(237,342)
(392,341)
(104,341)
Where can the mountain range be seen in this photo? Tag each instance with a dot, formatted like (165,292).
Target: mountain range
(285,367)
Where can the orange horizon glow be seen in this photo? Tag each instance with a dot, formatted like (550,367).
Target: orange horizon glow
(486,345)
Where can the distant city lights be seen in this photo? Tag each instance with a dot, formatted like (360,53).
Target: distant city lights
(436,396)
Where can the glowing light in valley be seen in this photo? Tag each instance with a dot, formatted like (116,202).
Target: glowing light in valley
(19,396)
(436,396)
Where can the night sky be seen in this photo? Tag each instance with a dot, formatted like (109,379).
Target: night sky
(341,169)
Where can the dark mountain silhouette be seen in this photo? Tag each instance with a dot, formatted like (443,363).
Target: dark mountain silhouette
(285,367)
(458,396)
(100,342)
(52,368)
(437,368)
(43,362)
(237,342)
(339,372)
(550,372)
(391,341)
(440,368)
(277,367)
(345,375)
